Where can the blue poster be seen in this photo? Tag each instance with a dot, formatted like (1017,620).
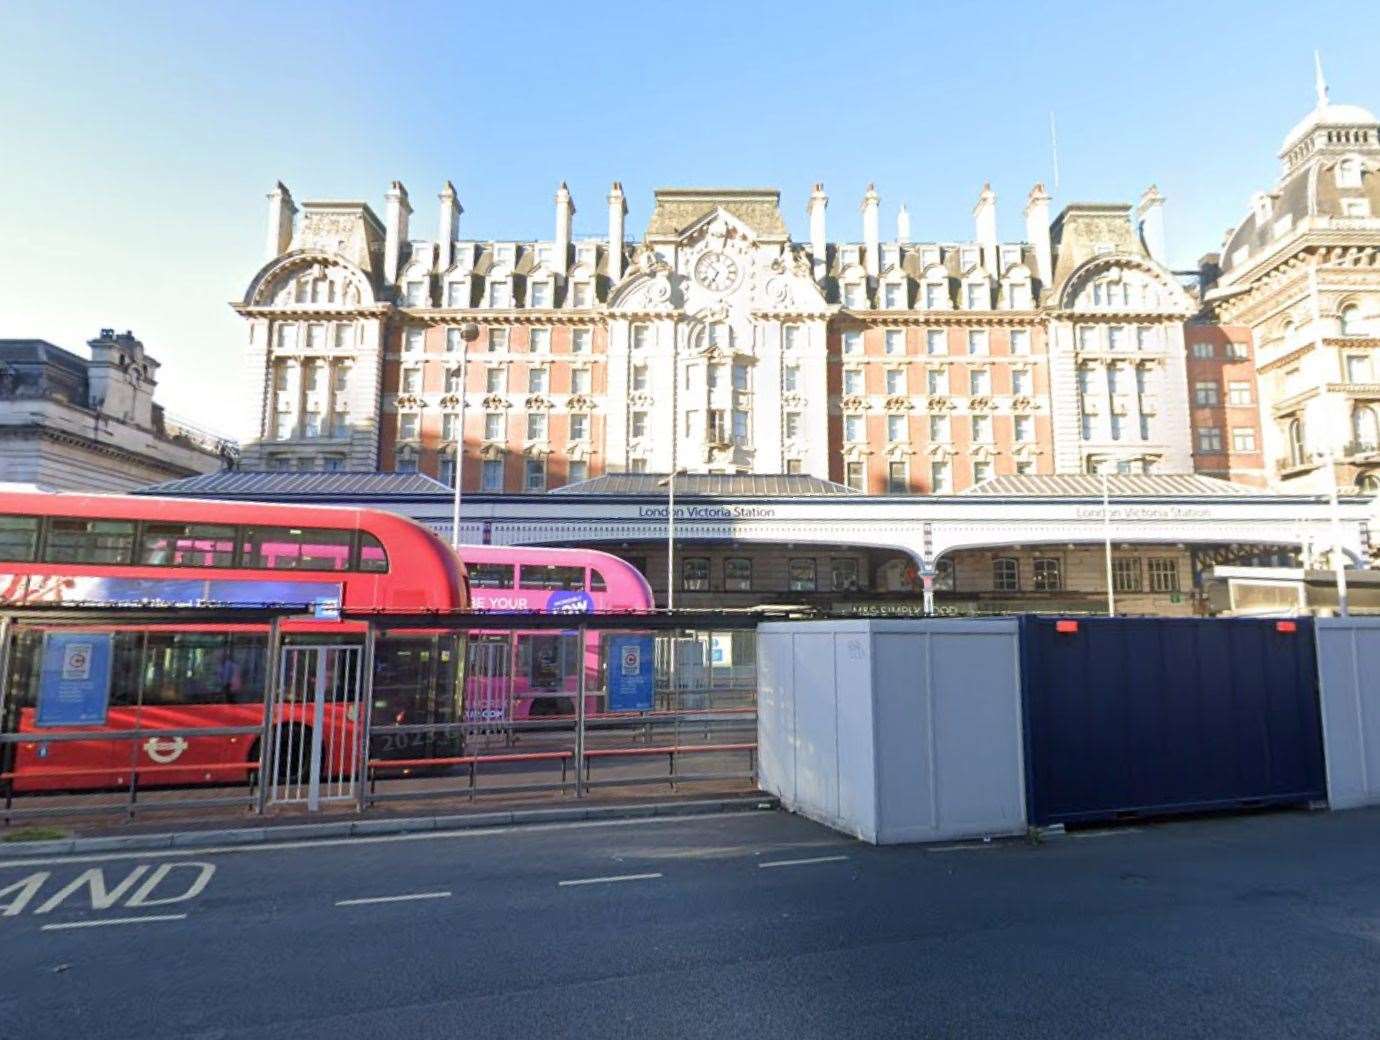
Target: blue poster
(632,673)
(574,602)
(74,685)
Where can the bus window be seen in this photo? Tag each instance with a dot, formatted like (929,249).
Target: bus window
(491,575)
(296,548)
(89,541)
(597,582)
(18,538)
(187,545)
(548,661)
(536,576)
(371,555)
(202,668)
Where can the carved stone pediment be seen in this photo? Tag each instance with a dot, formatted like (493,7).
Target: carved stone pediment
(793,399)
(899,451)
(983,451)
(640,399)
(899,403)
(538,402)
(854,452)
(536,449)
(495,402)
(492,450)
(581,403)
(940,450)
(939,403)
(1023,404)
(980,404)
(408,401)
(450,401)
(854,403)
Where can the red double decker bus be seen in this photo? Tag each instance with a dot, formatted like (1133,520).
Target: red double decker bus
(63,548)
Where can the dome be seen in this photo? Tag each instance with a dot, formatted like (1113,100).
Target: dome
(1329,114)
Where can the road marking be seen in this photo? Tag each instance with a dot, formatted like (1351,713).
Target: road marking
(392,899)
(801,862)
(602,880)
(113,920)
(1103,834)
(376,839)
(960,848)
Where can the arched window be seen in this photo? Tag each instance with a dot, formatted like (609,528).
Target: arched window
(1349,173)
(1365,431)
(1298,449)
(1351,320)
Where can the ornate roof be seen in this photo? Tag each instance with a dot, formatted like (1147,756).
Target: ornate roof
(332,484)
(710,485)
(678,208)
(1087,485)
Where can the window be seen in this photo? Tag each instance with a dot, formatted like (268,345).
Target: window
(1023,428)
(852,342)
(936,341)
(407,426)
(446,470)
(1205,394)
(454,343)
(332,463)
(939,428)
(490,575)
(790,378)
(296,549)
(1126,574)
(716,426)
(1147,337)
(1356,208)
(579,426)
(412,340)
(187,545)
(1118,426)
(1351,320)
(853,296)
(639,377)
(580,340)
(977,341)
(1145,427)
(715,374)
(1358,368)
(536,426)
(790,337)
(1086,425)
(534,475)
(1047,574)
(1024,467)
(1116,337)
(896,428)
(577,472)
(982,429)
(801,575)
(737,574)
(896,381)
(1202,351)
(979,381)
(694,574)
(1020,381)
(283,425)
(579,295)
(316,336)
(740,427)
(494,380)
(975,296)
(287,337)
(494,426)
(1006,574)
(536,380)
(939,477)
(740,377)
(1349,173)
(719,335)
(540,341)
(897,479)
(415,293)
(791,426)
(1243,438)
(554,577)
(455,294)
(1164,574)
(491,475)
(453,381)
(1364,430)
(855,476)
(1298,447)
(18,537)
(411,380)
(639,424)
(1209,438)
(892,295)
(1239,393)
(1020,341)
(498,340)
(541,294)
(934,295)
(852,381)
(793,467)
(853,431)
(844,575)
(982,470)
(641,337)
(580,381)
(937,381)
(895,341)
(1087,337)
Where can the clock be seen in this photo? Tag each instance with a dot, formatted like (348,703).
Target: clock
(717,272)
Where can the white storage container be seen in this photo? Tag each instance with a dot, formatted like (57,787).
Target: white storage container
(894,730)
(1349,681)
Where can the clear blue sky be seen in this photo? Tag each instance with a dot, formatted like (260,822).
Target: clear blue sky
(137,141)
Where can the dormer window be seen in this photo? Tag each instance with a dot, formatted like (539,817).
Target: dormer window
(976,295)
(541,294)
(1018,296)
(505,254)
(1349,172)
(546,253)
(968,257)
(852,256)
(891,256)
(498,294)
(455,294)
(586,253)
(893,297)
(934,296)
(1010,257)
(853,297)
(1356,208)
(415,293)
(580,295)
(929,256)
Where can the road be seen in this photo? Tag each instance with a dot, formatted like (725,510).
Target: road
(758,924)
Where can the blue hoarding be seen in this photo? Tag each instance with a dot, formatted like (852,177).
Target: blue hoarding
(74,684)
(632,673)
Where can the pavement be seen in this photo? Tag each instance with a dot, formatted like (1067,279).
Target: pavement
(746,924)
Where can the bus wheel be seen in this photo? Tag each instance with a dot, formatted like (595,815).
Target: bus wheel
(288,770)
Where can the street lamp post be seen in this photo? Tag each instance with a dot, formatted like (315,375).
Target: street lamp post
(469,332)
(1107,540)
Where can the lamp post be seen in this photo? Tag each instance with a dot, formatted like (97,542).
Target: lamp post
(1107,540)
(469,332)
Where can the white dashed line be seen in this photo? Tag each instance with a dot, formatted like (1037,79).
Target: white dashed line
(801,862)
(602,880)
(368,900)
(112,920)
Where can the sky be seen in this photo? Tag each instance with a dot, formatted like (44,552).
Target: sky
(138,140)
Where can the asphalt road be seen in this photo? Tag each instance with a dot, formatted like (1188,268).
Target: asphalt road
(1258,926)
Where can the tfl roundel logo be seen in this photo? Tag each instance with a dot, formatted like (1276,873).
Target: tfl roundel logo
(570,603)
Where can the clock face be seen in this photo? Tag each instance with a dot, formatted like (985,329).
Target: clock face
(716,272)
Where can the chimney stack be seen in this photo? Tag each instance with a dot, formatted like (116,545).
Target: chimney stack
(280,214)
(449,229)
(395,231)
(871,208)
(618,209)
(819,246)
(565,213)
(985,220)
(1037,232)
(903,225)
(1150,213)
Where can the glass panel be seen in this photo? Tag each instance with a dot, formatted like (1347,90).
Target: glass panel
(371,554)
(294,548)
(89,541)
(18,537)
(538,576)
(490,575)
(188,545)
(203,668)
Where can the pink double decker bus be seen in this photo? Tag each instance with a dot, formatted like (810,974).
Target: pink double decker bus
(514,675)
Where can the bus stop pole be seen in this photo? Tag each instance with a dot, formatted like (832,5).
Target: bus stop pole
(275,653)
(580,718)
